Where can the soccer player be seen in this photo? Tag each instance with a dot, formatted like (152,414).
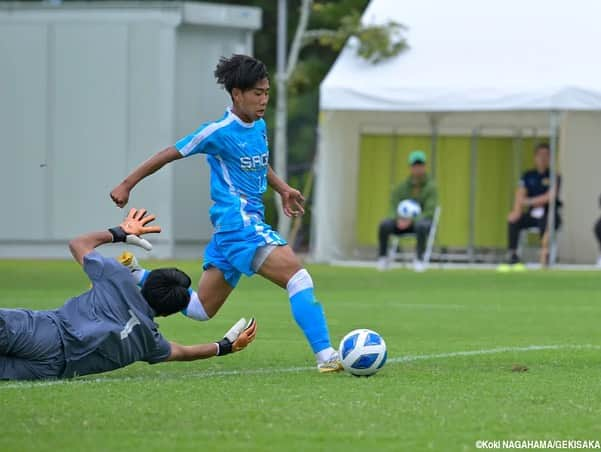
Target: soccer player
(111,325)
(238,155)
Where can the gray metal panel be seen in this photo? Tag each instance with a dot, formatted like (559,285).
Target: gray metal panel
(229,16)
(198,99)
(150,124)
(174,13)
(90,93)
(23,130)
(89,123)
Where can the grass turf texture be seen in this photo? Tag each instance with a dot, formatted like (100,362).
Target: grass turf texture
(238,403)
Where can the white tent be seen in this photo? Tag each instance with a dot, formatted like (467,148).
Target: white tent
(472,68)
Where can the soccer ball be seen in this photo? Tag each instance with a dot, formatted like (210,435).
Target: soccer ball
(363,352)
(408,208)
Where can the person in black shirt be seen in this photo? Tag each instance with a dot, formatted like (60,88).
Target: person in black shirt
(531,204)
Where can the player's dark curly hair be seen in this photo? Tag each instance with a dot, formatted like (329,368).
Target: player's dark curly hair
(240,71)
(166,290)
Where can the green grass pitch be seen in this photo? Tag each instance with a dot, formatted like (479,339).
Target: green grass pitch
(429,396)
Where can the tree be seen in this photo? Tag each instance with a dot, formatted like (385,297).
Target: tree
(377,42)
(329,24)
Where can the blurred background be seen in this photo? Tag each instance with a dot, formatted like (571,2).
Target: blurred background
(90,89)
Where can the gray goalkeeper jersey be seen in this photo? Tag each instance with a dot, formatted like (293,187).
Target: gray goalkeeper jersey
(111,325)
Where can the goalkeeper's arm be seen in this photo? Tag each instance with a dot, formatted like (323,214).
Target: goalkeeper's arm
(128,231)
(236,339)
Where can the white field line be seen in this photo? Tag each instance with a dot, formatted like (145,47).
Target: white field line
(391,304)
(483,308)
(283,370)
(492,351)
(457,266)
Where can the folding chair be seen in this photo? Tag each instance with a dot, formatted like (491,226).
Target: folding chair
(525,234)
(394,243)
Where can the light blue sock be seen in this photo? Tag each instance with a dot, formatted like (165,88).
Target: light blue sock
(308,312)
(141,276)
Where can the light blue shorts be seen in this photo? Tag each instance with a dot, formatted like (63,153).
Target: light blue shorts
(233,252)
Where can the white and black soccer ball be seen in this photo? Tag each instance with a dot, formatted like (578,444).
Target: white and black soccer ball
(363,352)
(408,208)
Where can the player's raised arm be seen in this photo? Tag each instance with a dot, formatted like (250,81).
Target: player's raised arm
(120,194)
(292,199)
(236,339)
(133,226)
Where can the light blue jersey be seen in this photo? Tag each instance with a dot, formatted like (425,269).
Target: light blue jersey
(238,155)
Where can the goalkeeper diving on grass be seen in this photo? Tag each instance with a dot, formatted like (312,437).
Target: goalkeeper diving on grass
(111,325)
(237,152)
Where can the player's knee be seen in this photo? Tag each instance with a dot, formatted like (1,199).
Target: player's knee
(210,303)
(290,266)
(298,281)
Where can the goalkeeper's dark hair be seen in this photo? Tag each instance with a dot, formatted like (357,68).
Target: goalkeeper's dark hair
(240,71)
(166,290)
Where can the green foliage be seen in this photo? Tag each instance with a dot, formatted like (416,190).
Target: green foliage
(328,12)
(270,397)
(379,43)
(376,42)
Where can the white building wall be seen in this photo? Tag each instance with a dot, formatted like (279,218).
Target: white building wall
(88,93)
(580,163)
(24,130)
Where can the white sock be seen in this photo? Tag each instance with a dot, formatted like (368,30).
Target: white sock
(324,355)
(195,310)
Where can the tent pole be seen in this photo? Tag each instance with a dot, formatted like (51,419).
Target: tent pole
(473,177)
(518,152)
(518,146)
(394,161)
(433,144)
(553,133)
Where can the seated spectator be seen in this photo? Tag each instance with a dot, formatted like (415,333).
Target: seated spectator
(531,205)
(421,188)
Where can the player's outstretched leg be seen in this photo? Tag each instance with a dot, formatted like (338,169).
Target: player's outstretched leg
(283,268)
(212,285)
